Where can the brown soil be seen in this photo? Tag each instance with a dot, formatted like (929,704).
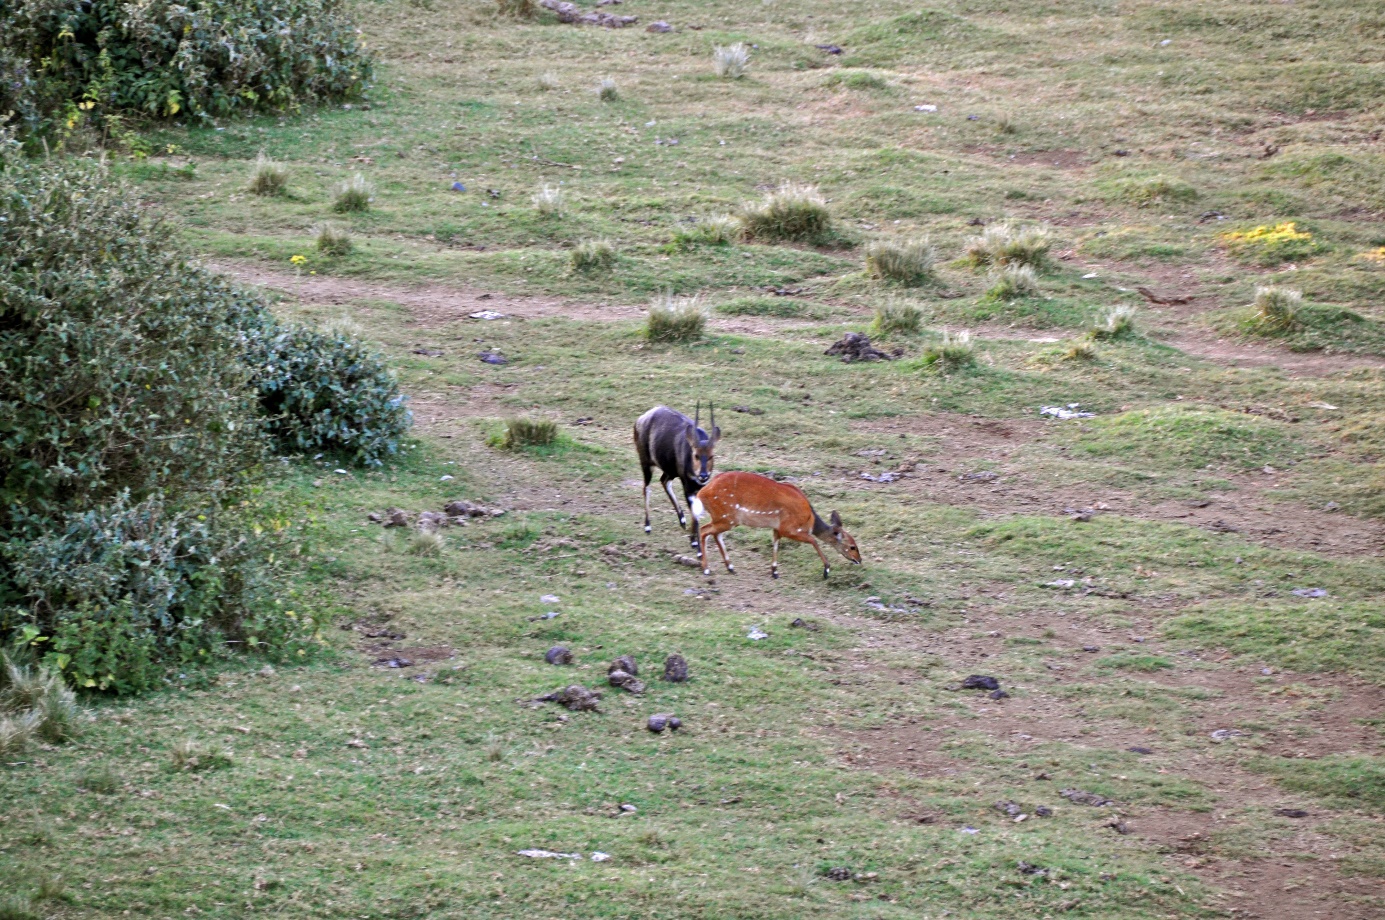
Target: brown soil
(1055,159)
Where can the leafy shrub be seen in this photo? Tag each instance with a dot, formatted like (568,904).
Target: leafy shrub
(355,194)
(717,230)
(909,262)
(328,392)
(1005,244)
(593,255)
(1116,322)
(269,178)
(952,354)
(607,91)
(731,61)
(332,239)
(1268,245)
(899,317)
(525,432)
(675,319)
(791,212)
(1011,282)
(549,200)
(160,58)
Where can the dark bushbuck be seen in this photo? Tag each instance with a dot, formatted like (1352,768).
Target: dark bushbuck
(681,450)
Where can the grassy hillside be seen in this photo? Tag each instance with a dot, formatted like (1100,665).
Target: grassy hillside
(1180,594)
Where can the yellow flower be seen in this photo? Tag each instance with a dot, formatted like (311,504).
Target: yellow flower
(1279,233)
(299,260)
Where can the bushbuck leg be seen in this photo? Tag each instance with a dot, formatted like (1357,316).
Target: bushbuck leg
(810,540)
(714,531)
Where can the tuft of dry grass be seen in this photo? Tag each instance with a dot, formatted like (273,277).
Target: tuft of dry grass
(549,200)
(1116,322)
(593,256)
(1080,350)
(898,318)
(193,757)
(1006,244)
(793,212)
(1011,282)
(549,82)
(675,319)
(355,194)
(425,543)
(607,91)
(269,178)
(1276,310)
(517,9)
(731,61)
(953,353)
(909,262)
(332,239)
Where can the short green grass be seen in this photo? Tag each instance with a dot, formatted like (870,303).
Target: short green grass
(342,789)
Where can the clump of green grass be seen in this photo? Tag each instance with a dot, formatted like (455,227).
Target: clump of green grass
(332,239)
(717,230)
(269,178)
(731,61)
(675,319)
(1005,124)
(355,194)
(907,262)
(785,307)
(856,79)
(425,543)
(549,200)
(1011,282)
(15,906)
(1178,437)
(191,756)
(1276,310)
(593,256)
(607,91)
(549,82)
(99,780)
(953,353)
(791,212)
(528,432)
(1353,781)
(1129,661)
(1151,190)
(1117,322)
(35,702)
(517,9)
(16,731)
(897,317)
(1005,244)
(50,888)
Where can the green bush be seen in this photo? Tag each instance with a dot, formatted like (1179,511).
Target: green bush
(328,392)
(66,59)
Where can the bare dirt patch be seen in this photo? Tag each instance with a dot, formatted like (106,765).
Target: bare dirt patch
(1053,159)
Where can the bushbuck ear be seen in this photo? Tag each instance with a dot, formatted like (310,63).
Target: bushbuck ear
(716,433)
(836,520)
(692,435)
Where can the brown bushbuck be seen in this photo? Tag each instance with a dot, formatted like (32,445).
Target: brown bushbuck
(681,450)
(753,500)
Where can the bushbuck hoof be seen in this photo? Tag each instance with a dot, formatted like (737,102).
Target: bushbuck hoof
(707,572)
(648,529)
(825,572)
(773,573)
(731,568)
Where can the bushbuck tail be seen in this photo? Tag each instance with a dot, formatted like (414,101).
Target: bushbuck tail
(681,450)
(753,500)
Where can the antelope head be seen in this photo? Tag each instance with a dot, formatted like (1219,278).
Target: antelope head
(842,541)
(703,444)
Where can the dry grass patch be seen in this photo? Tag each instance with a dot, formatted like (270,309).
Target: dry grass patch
(792,212)
(676,319)
(908,262)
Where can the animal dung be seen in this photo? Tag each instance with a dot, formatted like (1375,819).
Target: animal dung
(625,681)
(855,346)
(980,682)
(1078,797)
(663,720)
(575,697)
(675,669)
(624,663)
(558,655)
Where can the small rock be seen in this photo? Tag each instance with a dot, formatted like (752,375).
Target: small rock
(618,678)
(458,187)
(675,669)
(1139,750)
(558,655)
(356,743)
(927,109)
(690,561)
(756,633)
(1119,826)
(396,517)
(628,809)
(800,623)
(1078,797)
(839,874)
(659,26)
(748,410)
(1009,808)
(980,682)
(1030,868)
(633,685)
(1225,734)
(575,697)
(464,509)
(624,663)
(998,695)
(374,517)
(267,671)
(490,357)
(1309,592)
(829,49)
(1091,648)
(1043,811)
(428,352)
(1291,812)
